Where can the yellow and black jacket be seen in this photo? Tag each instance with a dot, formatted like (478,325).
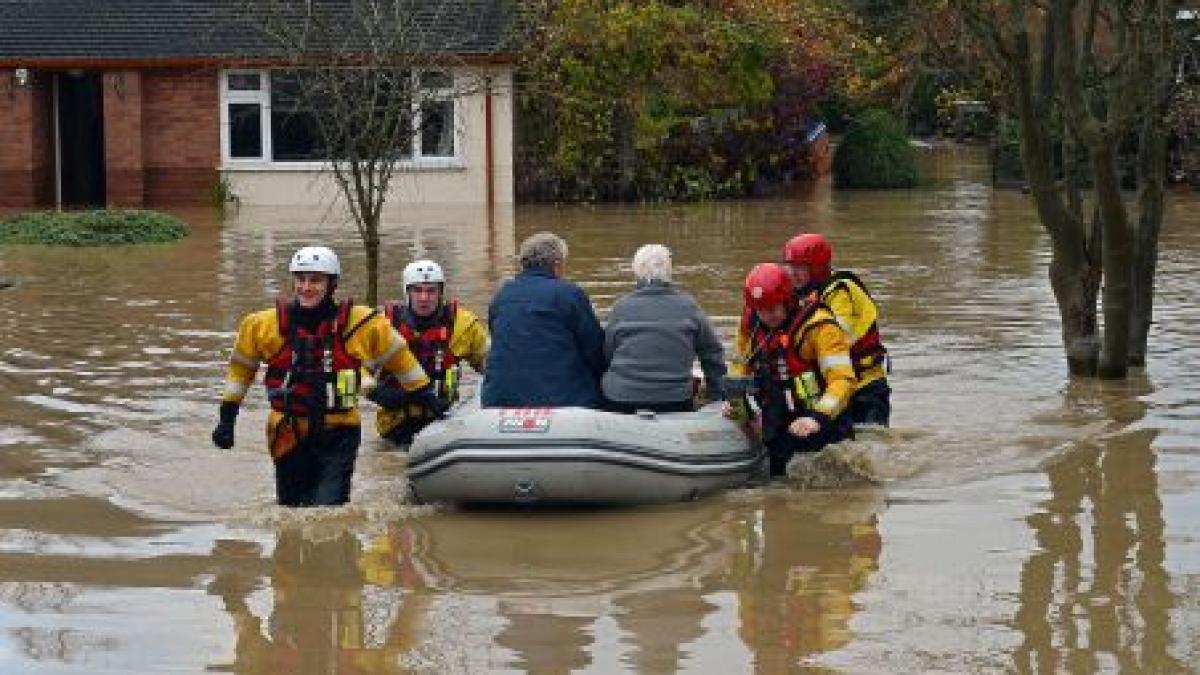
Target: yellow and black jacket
(856,312)
(455,335)
(803,366)
(317,370)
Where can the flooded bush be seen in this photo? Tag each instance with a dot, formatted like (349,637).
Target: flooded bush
(91,228)
(875,153)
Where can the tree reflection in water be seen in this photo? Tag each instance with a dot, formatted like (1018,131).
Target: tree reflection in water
(1104,505)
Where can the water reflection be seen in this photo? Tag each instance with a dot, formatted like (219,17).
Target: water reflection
(556,575)
(1032,523)
(1095,594)
(642,590)
(801,560)
(320,618)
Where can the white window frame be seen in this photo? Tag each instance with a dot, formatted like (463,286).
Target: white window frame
(263,98)
(417,162)
(442,94)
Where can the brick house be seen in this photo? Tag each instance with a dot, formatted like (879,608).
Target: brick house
(157,102)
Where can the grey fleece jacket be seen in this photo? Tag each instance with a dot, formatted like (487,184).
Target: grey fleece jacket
(652,337)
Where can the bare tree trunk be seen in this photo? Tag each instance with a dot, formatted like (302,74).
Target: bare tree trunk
(1117,237)
(1074,277)
(1152,160)
(1106,68)
(371,247)
(1152,176)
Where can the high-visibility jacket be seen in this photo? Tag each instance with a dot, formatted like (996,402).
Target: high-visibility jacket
(456,335)
(856,312)
(809,342)
(365,338)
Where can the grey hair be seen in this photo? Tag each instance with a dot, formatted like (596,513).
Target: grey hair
(652,264)
(542,250)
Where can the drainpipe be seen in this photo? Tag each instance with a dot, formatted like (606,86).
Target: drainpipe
(489,159)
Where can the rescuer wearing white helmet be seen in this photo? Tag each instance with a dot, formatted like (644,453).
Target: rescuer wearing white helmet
(314,348)
(442,334)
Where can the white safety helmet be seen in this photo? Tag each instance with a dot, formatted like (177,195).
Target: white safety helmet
(423,272)
(316,259)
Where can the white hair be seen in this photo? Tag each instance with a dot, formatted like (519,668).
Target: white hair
(652,264)
(542,250)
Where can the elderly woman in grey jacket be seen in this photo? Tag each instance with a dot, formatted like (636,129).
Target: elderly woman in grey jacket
(652,338)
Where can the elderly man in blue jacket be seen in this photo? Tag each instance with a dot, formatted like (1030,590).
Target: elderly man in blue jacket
(547,346)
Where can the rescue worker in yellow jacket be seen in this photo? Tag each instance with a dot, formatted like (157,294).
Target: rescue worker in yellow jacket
(315,349)
(442,335)
(799,359)
(808,257)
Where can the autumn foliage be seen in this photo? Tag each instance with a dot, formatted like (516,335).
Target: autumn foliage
(657,100)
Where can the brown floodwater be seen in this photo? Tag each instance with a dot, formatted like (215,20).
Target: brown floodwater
(1011,520)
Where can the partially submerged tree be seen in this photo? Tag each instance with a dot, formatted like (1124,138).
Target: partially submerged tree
(367,81)
(1103,71)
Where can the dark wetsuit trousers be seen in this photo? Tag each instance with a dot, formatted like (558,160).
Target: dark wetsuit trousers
(872,404)
(782,445)
(319,470)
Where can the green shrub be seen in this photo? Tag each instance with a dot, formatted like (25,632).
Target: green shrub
(91,228)
(875,153)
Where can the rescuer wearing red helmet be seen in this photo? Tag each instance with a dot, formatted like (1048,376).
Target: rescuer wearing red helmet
(800,360)
(808,257)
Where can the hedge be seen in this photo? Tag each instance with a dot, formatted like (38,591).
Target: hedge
(91,228)
(875,153)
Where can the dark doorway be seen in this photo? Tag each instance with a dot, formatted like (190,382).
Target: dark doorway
(81,138)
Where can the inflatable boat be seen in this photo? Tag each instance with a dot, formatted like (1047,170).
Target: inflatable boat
(578,456)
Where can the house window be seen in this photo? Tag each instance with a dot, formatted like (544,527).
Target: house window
(436,119)
(245,131)
(294,133)
(243,106)
(263,120)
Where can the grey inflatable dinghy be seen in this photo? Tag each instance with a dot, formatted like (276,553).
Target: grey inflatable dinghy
(578,456)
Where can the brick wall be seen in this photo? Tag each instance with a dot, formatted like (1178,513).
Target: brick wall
(16,143)
(181,135)
(124,169)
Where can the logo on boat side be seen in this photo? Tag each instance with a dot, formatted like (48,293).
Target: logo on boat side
(525,420)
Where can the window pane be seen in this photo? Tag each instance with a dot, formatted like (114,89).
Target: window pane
(436,80)
(245,130)
(244,81)
(294,132)
(437,129)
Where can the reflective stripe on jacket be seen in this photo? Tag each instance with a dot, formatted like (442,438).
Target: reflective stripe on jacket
(464,339)
(811,342)
(301,376)
(856,312)
(374,343)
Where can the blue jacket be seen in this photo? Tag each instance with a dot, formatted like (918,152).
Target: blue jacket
(547,346)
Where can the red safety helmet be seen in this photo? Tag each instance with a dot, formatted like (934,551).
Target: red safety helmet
(766,286)
(809,249)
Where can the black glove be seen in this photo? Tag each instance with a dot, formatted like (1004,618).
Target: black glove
(427,396)
(222,436)
(396,397)
(388,396)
